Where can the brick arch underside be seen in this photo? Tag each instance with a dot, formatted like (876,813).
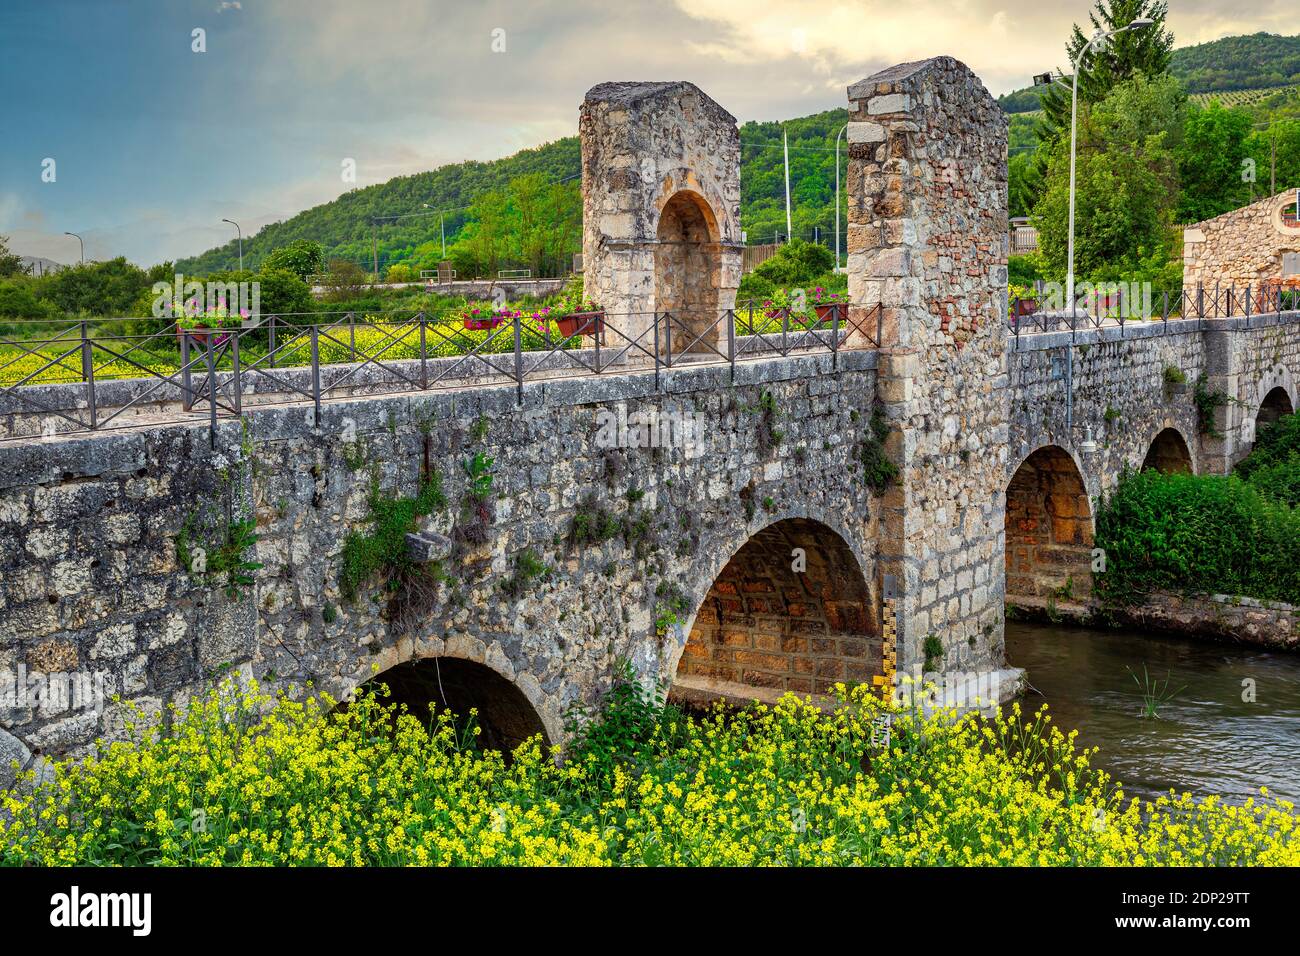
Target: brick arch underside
(1049,531)
(766,628)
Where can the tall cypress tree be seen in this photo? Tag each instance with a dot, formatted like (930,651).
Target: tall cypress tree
(1146,52)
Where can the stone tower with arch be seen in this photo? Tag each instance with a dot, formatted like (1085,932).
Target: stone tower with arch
(661,210)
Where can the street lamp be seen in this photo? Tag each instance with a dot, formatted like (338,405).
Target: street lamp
(837,195)
(441,227)
(239,232)
(1141,23)
(80,240)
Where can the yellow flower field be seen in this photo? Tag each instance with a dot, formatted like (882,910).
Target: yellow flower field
(766,786)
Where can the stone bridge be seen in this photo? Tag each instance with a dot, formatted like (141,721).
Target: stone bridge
(732,529)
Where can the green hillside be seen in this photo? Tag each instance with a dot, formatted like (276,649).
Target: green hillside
(1258,62)
(343,225)
(1259,72)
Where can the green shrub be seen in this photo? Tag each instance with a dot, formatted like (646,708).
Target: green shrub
(1197,534)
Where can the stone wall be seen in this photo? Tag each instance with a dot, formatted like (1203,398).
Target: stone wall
(1245,247)
(927,234)
(91,574)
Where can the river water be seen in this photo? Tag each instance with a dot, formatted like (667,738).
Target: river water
(1206,739)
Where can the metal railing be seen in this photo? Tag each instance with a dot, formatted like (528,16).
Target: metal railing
(280,359)
(1026,316)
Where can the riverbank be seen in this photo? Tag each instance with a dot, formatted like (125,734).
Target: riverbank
(1211,617)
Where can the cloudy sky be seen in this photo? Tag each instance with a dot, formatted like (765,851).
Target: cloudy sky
(153,143)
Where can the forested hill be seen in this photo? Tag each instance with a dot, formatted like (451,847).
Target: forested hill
(1255,62)
(343,224)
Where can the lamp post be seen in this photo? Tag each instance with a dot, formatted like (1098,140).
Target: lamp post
(80,240)
(240,233)
(1100,36)
(837,195)
(442,227)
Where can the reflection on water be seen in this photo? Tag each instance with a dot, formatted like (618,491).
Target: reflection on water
(1206,739)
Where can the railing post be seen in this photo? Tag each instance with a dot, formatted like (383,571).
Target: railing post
(187,385)
(1249,295)
(655,349)
(1200,301)
(237,392)
(88,373)
(835,337)
(315,372)
(731,342)
(785,330)
(212,389)
(519,362)
(424,355)
(271,340)
(352,334)
(668,340)
(596,333)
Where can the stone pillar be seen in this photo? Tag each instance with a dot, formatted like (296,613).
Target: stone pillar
(927,235)
(644,146)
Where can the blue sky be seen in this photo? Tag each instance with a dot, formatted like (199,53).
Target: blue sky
(155,143)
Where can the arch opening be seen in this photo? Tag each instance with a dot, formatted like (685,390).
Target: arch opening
(505,717)
(791,611)
(1049,531)
(1168,454)
(1275,404)
(688,272)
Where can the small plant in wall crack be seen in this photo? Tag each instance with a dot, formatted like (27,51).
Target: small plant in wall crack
(214,542)
(223,557)
(382,549)
(670,604)
(477,512)
(877,470)
(528,567)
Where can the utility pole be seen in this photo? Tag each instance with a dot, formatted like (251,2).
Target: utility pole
(789,227)
(374,245)
(1272,162)
(837,196)
(240,233)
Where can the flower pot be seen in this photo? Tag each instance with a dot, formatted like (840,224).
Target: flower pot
(826,313)
(581,323)
(479,325)
(198,334)
(1026,307)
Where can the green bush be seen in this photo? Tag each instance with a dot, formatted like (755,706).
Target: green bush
(1197,534)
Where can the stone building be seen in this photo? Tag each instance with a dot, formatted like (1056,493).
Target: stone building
(1255,245)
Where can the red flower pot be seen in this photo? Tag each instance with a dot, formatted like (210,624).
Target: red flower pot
(581,323)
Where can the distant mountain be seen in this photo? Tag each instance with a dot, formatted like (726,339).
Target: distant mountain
(39,266)
(1260,61)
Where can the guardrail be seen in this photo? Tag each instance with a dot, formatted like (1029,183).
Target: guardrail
(300,358)
(1024,315)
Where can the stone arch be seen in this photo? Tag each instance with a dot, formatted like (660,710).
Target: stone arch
(687,270)
(1169,453)
(1274,405)
(764,627)
(1049,530)
(512,706)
